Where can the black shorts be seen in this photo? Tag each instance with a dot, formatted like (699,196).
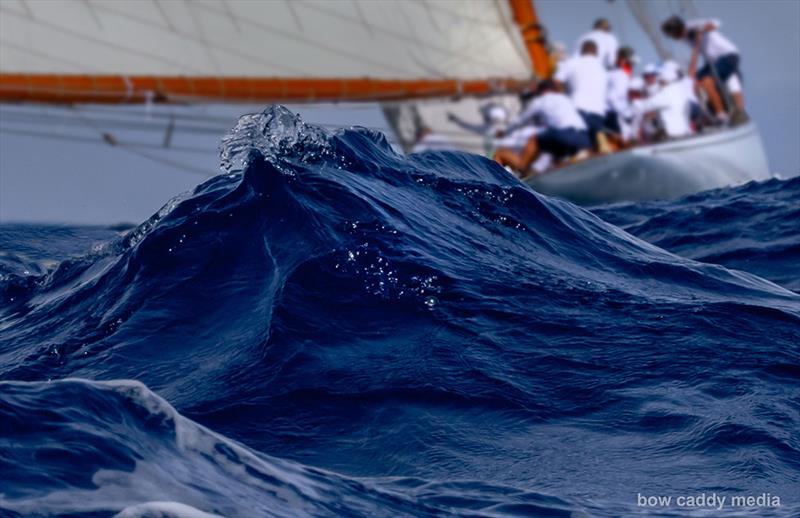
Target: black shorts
(611,122)
(563,142)
(594,122)
(725,66)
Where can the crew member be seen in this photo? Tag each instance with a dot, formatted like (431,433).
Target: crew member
(586,80)
(605,40)
(719,53)
(672,103)
(563,131)
(617,105)
(650,77)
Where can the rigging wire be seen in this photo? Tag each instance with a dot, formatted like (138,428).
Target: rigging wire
(688,8)
(166,161)
(51,135)
(644,17)
(619,20)
(109,138)
(134,148)
(108,122)
(132,120)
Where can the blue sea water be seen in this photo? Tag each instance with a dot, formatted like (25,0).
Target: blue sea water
(328,328)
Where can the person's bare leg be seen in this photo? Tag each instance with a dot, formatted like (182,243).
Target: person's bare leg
(520,162)
(507,158)
(529,154)
(707,84)
(738,100)
(615,139)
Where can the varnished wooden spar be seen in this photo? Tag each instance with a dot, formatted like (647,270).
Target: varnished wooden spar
(119,89)
(524,13)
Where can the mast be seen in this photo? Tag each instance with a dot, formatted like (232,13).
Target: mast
(533,35)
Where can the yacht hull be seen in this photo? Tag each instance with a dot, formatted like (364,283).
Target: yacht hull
(661,171)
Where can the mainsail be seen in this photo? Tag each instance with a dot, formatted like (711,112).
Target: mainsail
(68,51)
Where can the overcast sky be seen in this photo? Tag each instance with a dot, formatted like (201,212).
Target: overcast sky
(87,182)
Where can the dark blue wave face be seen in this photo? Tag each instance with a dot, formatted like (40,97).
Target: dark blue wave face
(751,228)
(427,324)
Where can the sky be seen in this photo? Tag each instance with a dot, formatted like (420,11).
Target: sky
(80,180)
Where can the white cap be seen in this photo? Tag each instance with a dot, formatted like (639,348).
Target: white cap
(650,69)
(636,83)
(497,114)
(670,71)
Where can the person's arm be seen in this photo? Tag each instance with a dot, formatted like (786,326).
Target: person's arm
(655,103)
(561,75)
(524,118)
(692,71)
(611,54)
(480,129)
(617,92)
(703,24)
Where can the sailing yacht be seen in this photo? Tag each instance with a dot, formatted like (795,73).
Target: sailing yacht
(418,60)
(718,157)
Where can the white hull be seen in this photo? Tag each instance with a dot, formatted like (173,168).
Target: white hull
(719,158)
(660,171)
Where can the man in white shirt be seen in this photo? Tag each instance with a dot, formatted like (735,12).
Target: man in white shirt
(563,135)
(494,116)
(604,39)
(650,78)
(698,116)
(672,103)
(617,105)
(587,82)
(634,119)
(720,54)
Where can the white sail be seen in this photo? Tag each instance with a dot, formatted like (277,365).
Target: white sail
(398,39)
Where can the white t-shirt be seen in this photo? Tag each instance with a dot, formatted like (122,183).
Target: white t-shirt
(433,142)
(688,84)
(652,89)
(607,46)
(617,93)
(517,138)
(713,45)
(587,82)
(553,110)
(673,106)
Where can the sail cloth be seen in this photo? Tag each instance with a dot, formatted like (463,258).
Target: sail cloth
(243,50)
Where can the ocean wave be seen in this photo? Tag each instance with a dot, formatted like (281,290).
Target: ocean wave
(332,303)
(116,447)
(752,227)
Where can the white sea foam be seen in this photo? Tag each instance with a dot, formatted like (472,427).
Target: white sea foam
(182,467)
